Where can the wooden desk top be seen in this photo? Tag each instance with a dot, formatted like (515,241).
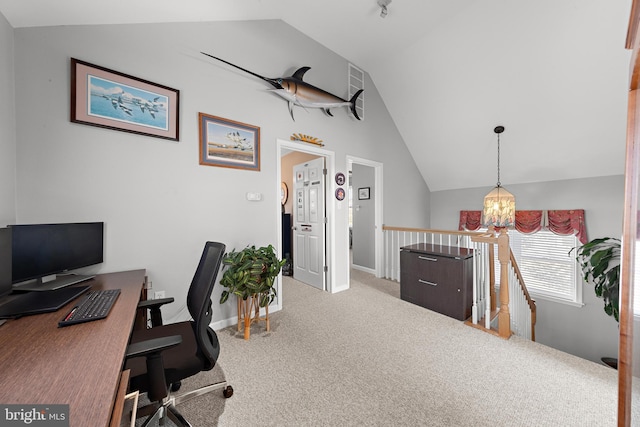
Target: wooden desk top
(78,365)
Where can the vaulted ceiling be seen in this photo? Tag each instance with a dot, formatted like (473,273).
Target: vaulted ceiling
(553,72)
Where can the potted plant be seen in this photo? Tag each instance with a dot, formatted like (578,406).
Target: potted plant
(599,260)
(250,275)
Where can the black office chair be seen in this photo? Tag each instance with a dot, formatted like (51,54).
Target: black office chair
(166,354)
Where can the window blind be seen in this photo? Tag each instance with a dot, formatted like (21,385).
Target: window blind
(548,270)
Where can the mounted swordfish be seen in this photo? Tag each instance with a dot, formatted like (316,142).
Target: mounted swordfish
(298,92)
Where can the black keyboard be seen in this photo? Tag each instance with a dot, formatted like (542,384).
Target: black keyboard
(94,306)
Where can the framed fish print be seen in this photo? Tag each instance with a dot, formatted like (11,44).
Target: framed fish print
(113,100)
(228,144)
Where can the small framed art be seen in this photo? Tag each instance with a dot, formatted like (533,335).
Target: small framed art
(363,193)
(228,144)
(113,100)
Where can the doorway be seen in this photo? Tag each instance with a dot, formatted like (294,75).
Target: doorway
(366,221)
(285,174)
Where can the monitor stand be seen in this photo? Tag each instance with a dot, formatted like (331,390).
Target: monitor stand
(57,283)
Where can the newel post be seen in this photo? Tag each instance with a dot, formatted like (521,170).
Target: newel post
(504,317)
(492,274)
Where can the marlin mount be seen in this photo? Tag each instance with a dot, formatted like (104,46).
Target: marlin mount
(298,92)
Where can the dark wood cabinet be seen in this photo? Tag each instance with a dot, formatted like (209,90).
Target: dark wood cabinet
(437,277)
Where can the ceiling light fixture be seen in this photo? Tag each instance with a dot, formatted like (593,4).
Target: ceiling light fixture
(499,204)
(383,7)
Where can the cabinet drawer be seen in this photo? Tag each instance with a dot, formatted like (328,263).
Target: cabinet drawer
(432,269)
(439,283)
(427,267)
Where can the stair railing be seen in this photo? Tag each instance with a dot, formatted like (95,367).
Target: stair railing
(517,311)
(523,320)
(484,302)
(398,237)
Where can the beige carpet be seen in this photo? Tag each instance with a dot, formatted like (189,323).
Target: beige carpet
(364,357)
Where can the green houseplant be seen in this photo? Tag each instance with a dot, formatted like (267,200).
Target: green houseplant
(599,260)
(250,275)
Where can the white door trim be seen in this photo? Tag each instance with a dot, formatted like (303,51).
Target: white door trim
(379,235)
(281,145)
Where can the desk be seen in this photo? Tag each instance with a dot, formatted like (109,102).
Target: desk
(78,365)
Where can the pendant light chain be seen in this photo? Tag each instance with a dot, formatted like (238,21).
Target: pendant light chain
(498,184)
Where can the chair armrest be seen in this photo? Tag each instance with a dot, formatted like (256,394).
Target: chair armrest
(154,305)
(152,351)
(155,345)
(154,302)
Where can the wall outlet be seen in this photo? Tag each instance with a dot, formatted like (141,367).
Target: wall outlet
(158,295)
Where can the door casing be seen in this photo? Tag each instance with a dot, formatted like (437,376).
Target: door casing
(284,145)
(378,220)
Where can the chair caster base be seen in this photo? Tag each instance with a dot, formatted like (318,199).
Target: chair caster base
(227,392)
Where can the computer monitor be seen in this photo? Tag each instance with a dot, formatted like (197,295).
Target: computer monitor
(5,261)
(43,250)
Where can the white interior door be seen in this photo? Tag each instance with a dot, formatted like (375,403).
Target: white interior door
(309,223)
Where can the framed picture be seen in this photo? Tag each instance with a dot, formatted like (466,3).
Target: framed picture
(363,193)
(228,144)
(109,99)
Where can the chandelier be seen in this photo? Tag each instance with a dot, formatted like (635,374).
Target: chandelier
(499,205)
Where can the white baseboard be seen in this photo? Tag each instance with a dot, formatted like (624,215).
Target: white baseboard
(365,269)
(221,324)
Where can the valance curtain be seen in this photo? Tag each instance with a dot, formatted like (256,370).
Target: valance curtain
(563,222)
(470,220)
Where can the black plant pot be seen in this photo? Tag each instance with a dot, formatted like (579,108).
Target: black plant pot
(610,361)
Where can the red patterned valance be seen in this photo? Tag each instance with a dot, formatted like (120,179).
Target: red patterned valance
(563,222)
(470,220)
(568,222)
(529,221)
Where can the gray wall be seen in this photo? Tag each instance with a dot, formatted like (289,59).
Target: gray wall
(363,218)
(583,331)
(159,204)
(7,127)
